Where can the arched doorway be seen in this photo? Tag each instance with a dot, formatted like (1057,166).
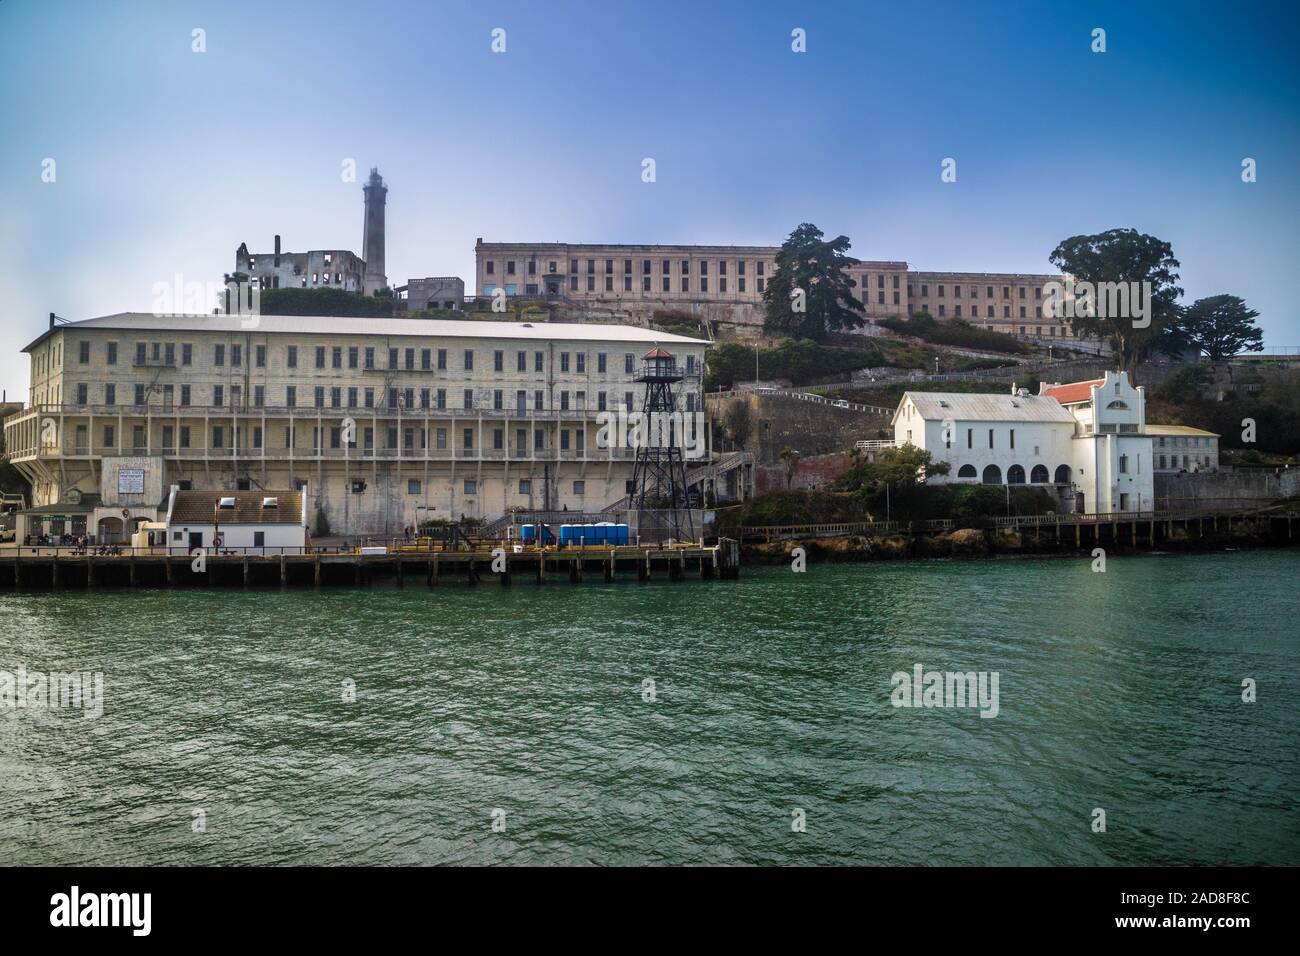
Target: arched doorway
(992,475)
(1015,475)
(1039,475)
(109,531)
(1062,474)
(967,471)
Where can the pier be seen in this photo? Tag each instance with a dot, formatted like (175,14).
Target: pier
(1127,528)
(67,567)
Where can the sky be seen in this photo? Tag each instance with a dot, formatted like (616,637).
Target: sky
(166,159)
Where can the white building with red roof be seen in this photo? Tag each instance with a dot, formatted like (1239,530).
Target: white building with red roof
(1084,442)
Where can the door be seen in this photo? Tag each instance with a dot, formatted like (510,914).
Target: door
(196,540)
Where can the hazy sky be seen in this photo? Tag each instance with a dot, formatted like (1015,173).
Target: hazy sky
(167,159)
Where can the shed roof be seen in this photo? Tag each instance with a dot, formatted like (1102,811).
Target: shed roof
(1179,430)
(200,508)
(988,407)
(1074,392)
(346,325)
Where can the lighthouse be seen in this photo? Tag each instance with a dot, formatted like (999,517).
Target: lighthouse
(372,240)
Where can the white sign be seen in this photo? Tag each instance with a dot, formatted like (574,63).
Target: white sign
(130,481)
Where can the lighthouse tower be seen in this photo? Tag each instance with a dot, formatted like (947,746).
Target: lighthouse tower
(372,240)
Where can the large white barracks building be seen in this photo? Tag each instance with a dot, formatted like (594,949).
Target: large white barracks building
(1084,441)
(386,422)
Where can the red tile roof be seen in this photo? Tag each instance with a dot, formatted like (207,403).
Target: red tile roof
(1073,392)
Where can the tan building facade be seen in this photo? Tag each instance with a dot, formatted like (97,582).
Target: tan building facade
(707,280)
(387,422)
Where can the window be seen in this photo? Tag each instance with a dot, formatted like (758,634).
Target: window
(109,436)
(259,396)
(236,356)
(468,439)
(628,360)
(110,395)
(185,394)
(991,441)
(83,391)
(426,359)
(469,398)
(471,486)
(320,356)
(469,360)
(539,361)
(291,357)
(290,396)
(521,361)
(218,354)
(413,486)
(320,396)
(579,487)
(498,361)
(83,352)
(260,356)
(564,361)
(525,486)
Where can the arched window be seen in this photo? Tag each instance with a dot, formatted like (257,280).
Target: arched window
(966,471)
(1015,475)
(992,475)
(1062,474)
(1117,404)
(1039,475)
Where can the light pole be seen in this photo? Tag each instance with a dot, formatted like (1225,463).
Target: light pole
(755,363)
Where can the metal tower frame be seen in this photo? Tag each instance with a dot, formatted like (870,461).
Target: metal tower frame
(659,492)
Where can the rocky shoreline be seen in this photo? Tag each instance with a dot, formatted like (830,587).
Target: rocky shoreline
(980,543)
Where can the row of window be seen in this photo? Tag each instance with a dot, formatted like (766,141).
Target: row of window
(974,291)
(411,438)
(666,285)
(1006,314)
(647,267)
(1188,461)
(165,353)
(357,397)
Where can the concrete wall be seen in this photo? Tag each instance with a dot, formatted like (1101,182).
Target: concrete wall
(813,472)
(1224,489)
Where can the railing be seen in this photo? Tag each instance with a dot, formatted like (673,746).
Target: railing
(873,445)
(26,550)
(770,532)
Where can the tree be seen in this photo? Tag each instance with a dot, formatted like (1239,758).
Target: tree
(1124,256)
(810,294)
(740,422)
(902,469)
(1220,326)
(791,459)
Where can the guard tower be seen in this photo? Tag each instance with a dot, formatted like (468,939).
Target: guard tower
(659,477)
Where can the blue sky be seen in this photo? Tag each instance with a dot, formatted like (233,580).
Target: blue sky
(167,159)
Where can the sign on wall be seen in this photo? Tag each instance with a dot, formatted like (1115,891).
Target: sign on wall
(130,481)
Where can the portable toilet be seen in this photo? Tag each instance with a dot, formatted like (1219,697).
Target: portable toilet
(622,534)
(566,535)
(528,533)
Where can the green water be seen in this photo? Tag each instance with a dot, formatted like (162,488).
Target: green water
(1119,691)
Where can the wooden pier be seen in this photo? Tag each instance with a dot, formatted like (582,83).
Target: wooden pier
(49,567)
(1129,528)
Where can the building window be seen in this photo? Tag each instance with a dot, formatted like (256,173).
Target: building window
(413,486)
(471,486)
(469,360)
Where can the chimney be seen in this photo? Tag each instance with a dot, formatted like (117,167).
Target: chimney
(51,320)
(277,252)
